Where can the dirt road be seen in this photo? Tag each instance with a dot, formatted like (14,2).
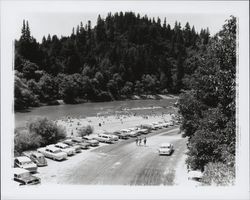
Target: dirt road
(123,163)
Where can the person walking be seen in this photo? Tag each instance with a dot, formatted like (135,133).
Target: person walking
(139,141)
(145,141)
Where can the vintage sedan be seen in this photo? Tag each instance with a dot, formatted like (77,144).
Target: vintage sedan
(24,177)
(79,141)
(114,137)
(134,133)
(53,153)
(143,131)
(36,157)
(25,163)
(91,141)
(121,135)
(72,144)
(65,148)
(104,138)
(166,149)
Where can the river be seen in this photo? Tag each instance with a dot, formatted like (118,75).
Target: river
(92,109)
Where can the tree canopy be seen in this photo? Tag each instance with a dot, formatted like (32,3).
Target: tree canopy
(109,61)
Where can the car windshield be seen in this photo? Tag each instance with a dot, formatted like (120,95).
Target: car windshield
(165,147)
(27,163)
(41,159)
(57,151)
(24,175)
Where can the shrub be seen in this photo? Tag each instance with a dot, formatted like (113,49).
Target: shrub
(85,130)
(49,131)
(24,140)
(218,174)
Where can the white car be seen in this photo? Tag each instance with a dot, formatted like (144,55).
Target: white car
(104,138)
(166,149)
(25,163)
(65,148)
(52,152)
(114,137)
(134,133)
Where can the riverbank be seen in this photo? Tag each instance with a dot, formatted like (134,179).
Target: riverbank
(110,123)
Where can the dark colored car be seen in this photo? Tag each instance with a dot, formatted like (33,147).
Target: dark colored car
(24,177)
(38,159)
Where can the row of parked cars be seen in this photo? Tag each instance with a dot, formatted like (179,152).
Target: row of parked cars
(27,164)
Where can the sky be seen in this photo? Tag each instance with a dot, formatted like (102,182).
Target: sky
(61,24)
(59,17)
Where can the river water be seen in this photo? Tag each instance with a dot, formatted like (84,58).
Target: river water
(93,109)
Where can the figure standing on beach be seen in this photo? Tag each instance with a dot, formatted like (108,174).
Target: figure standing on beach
(139,141)
(145,141)
(136,141)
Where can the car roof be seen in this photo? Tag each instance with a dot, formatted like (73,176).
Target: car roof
(23,159)
(52,147)
(62,144)
(165,144)
(37,154)
(18,170)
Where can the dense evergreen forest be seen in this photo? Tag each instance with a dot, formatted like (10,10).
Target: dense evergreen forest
(124,54)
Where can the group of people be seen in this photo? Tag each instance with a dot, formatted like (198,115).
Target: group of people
(139,140)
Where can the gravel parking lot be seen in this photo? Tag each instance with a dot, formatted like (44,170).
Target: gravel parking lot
(122,163)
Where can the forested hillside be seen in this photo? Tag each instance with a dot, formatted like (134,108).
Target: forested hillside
(124,54)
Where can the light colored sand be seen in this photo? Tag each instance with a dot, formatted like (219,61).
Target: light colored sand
(110,123)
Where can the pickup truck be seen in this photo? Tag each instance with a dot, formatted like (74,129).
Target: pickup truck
(52,152)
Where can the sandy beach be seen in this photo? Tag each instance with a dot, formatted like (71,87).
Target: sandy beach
(110,123)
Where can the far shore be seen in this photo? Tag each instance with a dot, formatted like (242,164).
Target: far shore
(80,101)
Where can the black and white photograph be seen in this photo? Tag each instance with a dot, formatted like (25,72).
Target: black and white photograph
(124,99)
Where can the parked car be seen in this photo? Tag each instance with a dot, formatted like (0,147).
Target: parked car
(166,149)
(24,177)
(52,152)
(25,163)
(121,135)
(143,131)
(157,125)
(126,131)
(37,158)
(147,126)
(114,137)
(91,141)
(165,124)
(72,144)
(79,141)
(65,148)
(134,133)
(104,138)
